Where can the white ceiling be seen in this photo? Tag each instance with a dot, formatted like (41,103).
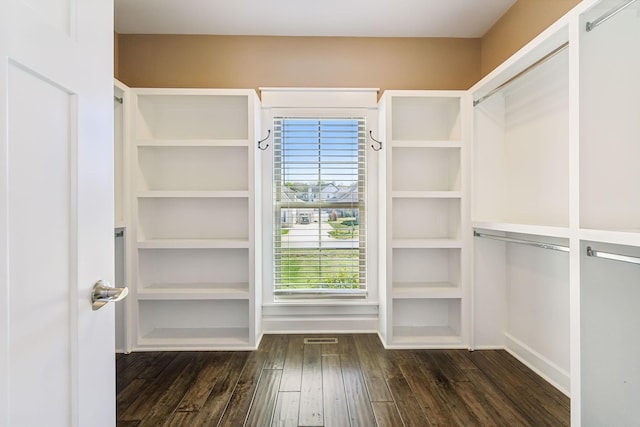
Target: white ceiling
(358,18)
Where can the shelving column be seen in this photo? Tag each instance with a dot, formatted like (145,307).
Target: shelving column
(194,225)
(424,299)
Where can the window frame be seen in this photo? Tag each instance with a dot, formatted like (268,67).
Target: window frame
(361,205)
(368,110)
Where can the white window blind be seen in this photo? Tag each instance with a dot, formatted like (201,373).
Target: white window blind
(319,200)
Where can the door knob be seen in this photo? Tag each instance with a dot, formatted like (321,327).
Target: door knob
(103,293)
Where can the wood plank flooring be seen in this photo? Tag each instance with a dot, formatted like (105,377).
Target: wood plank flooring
(355,382)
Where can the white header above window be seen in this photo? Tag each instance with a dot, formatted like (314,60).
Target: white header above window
(319,98)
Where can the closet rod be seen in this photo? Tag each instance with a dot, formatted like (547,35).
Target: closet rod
(593,24)
(118,100)
(615,257)
(523,242)
(540,61)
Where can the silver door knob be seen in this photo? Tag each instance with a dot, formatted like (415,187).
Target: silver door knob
(103,293)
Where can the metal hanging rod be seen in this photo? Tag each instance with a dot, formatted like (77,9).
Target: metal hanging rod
(540,61)
(118,100)
(523,242)
(615,257)
(593,24)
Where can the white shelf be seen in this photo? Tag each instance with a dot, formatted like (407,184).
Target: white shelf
(425,144)
(425,290)
(192,291)
(193,143)
(188,337)
(425,335)
(426,194)
(538,230)
(620,237)
(426,243)
(192,194)
(193,321)
(193,244)
(427,321)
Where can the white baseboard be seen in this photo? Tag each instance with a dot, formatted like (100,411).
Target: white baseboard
(318,324)
(296,318)
(542,366)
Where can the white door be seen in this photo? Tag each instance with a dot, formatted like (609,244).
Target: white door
(56,212)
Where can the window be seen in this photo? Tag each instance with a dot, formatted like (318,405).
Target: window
(319,200)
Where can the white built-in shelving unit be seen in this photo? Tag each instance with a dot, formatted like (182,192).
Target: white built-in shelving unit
(194,220)
(423,298)
(554,175)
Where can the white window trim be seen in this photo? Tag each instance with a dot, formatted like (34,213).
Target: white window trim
(329,103)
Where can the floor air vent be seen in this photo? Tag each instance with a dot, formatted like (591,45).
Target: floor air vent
(321,340)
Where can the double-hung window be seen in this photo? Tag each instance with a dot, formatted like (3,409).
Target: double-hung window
(320,207)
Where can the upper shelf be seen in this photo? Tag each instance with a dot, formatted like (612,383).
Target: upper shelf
(411,112)
(173,116)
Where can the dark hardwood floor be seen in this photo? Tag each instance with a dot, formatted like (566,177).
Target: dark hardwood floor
(352,383)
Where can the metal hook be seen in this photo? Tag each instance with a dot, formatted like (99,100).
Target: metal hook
(375,140)
(263,140)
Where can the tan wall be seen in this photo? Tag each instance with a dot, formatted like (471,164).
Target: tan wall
(252,62)
(519,25)
(385,63)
